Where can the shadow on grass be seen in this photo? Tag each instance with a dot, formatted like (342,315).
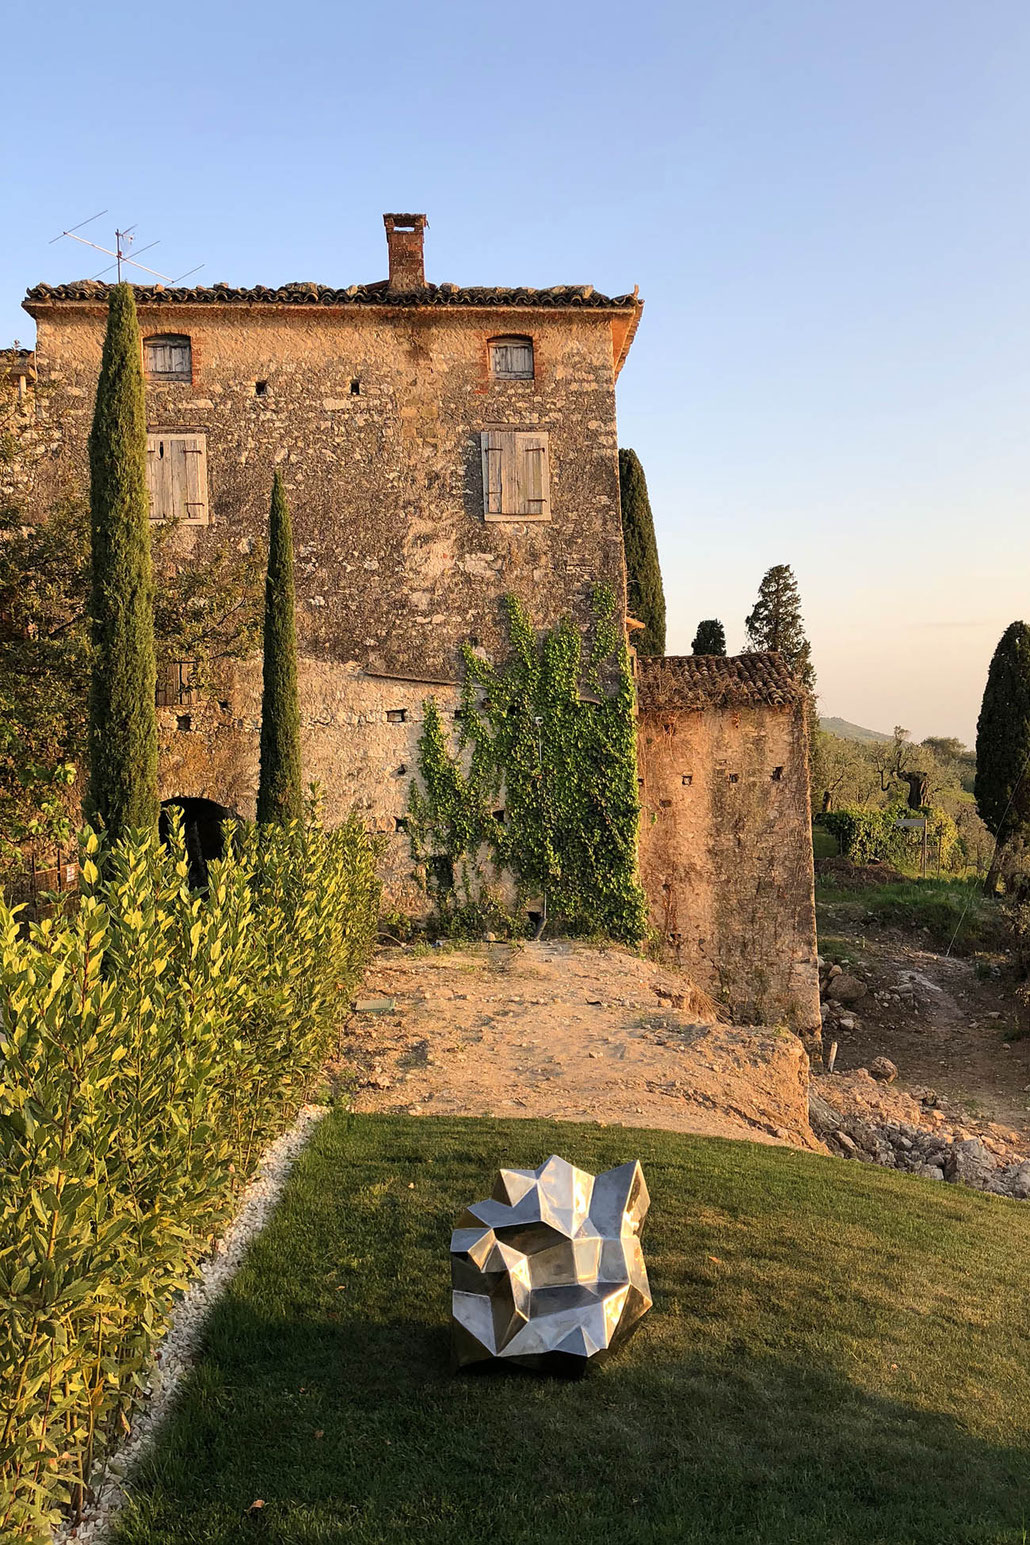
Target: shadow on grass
(356,1431)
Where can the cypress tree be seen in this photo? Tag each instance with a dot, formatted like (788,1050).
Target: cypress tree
(280,795)
(645,593)
(121,791)
(1002,786)
(776,623)
(710,637)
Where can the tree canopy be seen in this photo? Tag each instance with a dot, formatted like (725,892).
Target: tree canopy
(776,623)
(280,792)
(121,790)
(1002,785)
(710,637)
(644,590)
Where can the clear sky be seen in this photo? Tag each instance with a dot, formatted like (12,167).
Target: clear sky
(824,203)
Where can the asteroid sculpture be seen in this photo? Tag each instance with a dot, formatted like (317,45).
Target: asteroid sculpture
(549,1273)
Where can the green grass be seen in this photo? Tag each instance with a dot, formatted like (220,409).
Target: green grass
(836,1354)
(939,906)
(824,843)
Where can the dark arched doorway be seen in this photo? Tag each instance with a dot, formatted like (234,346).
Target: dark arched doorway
(202,821)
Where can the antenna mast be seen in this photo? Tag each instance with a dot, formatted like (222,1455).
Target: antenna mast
(122,242)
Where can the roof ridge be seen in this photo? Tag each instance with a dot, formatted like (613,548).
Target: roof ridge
(307,292)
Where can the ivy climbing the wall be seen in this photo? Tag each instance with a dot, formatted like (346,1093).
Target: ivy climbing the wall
(538,802)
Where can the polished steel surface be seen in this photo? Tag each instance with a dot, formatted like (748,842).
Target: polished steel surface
(549,1273)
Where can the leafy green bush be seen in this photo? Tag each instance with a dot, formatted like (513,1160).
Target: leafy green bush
(151,1043)
(866,835)
(872,836)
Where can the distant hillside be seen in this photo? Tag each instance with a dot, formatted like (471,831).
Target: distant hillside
(848,731)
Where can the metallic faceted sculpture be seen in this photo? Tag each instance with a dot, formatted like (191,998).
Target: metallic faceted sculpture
(549,1273)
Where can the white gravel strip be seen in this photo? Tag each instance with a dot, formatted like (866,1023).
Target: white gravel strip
(173,1356)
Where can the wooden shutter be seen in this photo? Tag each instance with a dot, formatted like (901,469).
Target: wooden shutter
(532,496)
(516,481)
(494,443)
(194,454)
(177,477)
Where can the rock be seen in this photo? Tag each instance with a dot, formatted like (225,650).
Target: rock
(968,1163)
(822,1117)
(883,1069)
(1017,1181)
(846,989)
(846,1022)
(929,1171)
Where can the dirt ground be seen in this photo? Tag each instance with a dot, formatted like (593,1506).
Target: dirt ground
(562,1030)
(949,1028)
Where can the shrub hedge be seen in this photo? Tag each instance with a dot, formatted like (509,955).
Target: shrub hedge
(151,1043)
(866,835)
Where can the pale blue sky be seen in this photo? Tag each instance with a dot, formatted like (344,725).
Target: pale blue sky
(824,203)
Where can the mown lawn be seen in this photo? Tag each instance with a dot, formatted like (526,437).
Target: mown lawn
(837,1354)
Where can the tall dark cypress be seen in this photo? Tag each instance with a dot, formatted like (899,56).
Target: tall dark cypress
(121,788)
(280,793)
(645,593)
(1002,784)
(710,637)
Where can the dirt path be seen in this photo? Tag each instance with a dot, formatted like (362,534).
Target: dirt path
(946,1027)
(565,1031)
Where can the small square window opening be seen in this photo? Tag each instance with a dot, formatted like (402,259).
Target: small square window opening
(355,387)
(396,715)
(260,388)
(511,359)
(777,774)
(688,779)
(168,357)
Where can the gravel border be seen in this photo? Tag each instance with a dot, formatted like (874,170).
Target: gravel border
(173,1355)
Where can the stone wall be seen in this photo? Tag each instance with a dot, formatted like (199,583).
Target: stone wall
(726,854)
(374,416)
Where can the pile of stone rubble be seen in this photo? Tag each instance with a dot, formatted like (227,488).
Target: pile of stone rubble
(854,1124)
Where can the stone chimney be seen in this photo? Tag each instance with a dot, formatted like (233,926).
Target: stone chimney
(404,241)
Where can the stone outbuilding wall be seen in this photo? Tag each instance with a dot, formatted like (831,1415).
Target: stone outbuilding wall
(726,834)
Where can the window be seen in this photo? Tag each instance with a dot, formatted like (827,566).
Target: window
(177,477)
(174,687)
(168,357)
(516,482)
(396,715)
(511,359)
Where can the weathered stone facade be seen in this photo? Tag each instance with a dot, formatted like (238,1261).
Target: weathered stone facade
(392,410)
(725,835)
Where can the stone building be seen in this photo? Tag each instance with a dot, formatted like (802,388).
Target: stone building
(442,447)
(725,834)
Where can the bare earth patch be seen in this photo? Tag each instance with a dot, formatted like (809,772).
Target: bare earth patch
(568,1032)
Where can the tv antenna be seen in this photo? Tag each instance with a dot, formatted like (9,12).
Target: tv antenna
(123,240)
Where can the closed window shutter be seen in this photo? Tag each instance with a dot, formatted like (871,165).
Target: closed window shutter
(493,445)
(195,468)
(177,477)
(516,482)
(532,481)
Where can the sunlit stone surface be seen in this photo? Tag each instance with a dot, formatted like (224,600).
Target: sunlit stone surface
(549,1273)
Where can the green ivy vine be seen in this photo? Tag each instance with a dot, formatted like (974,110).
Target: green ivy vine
(541,789)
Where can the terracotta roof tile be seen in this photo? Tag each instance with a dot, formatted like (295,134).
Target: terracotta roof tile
(715,681)
(582,296)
